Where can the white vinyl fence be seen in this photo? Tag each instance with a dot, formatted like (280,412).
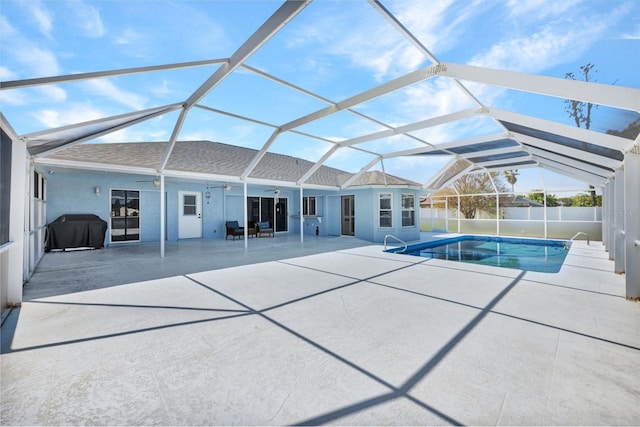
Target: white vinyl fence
(560,222)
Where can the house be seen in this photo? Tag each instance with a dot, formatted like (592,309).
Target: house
(203,189)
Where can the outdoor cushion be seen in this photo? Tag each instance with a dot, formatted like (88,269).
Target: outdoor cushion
(263,227)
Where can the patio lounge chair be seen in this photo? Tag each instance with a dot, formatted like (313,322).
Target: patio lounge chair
(263,227)
(234,229)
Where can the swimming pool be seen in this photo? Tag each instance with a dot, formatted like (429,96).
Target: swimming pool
(541,255)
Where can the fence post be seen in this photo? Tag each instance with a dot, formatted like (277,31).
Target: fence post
(459,213)
(446,214)
(431,211)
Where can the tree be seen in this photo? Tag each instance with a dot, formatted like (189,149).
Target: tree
(470,184)
(585,200)
(578,110)
(581,111)
(537,196)
(512,177)
(630,132)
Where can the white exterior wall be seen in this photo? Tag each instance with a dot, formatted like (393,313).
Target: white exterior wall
(12,255)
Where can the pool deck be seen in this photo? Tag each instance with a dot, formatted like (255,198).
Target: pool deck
(332,331)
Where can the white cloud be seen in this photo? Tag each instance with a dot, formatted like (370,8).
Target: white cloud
(53,93)
(128,37)
(9,97)
(30,58)
(433,98)
(38,61)
(6,74)
(436,24)
(42,16)
(162,89)
(141,133)
(88,18)
(6,28)
(631,36)
(104,87)
(540,9)
(556,42)
(77,113)
(543,49)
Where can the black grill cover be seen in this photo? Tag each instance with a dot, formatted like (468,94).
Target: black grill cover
(76,231)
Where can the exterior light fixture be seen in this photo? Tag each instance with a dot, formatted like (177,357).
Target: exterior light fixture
(97,190)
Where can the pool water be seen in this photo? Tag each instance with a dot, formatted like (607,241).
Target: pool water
(541,255)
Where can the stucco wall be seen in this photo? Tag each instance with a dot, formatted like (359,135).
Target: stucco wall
(73,191)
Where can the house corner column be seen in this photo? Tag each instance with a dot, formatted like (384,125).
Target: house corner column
(611,224)
(605,219)
(619,222)
(632,222)
(14,257)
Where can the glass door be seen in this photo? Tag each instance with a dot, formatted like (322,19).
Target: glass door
(125,215)
(348,216)
(282,223)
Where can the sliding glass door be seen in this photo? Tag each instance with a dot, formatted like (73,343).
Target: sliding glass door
(125,215)
(261,209)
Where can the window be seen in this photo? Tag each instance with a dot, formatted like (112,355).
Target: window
(189,205)
(36,185)
(386,219)
(408,210)
(309,205)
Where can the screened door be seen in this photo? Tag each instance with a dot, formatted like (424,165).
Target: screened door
(125,215)
(282,223)
(348,216)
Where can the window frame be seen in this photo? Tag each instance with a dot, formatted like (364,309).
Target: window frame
(306,211)
(411,210)
(387,211)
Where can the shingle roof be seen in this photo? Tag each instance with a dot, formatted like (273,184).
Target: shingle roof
(208,157)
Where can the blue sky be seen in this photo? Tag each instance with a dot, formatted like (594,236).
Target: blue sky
(334,49)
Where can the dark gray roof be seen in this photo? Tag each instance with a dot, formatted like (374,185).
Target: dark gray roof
(216,158)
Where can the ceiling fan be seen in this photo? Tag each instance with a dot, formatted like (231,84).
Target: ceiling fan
(226,187)
(156,182)
(275,191)
(207,195)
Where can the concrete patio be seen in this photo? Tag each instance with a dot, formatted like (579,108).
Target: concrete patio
(332,331)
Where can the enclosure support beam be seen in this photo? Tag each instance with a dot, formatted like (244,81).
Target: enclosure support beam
(605,199)
(245,223)
(611,225)
(632,222)
(544,203)
(619,223)
(301,215)
(163,215)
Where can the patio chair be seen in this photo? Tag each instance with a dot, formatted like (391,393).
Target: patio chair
(234,229)
(263,227)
